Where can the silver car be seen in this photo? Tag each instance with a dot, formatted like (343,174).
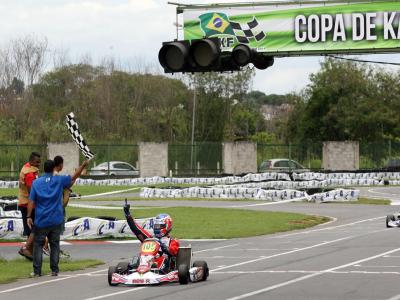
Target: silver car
(281,164)
(114,168)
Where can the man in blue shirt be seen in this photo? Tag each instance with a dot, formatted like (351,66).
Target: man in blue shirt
(46,196)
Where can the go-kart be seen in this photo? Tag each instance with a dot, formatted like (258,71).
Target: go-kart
(149,267)
(393,220)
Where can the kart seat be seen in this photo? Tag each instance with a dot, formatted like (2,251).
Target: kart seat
(184,256)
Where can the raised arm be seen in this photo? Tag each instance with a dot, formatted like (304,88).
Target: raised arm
(79,171)
(138,230)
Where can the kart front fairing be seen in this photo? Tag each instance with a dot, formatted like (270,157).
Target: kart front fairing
(393,223)
(148,278)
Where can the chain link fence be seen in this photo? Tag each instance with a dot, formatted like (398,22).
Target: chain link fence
(199,159)
(13,157)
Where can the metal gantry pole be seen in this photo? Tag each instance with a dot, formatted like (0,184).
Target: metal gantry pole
(193,125)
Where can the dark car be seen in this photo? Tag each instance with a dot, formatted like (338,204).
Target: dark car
(392,165)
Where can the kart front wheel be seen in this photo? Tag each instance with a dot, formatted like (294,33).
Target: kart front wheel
(202,264)
(111,270)
(183,274)
(122,268)
(388,219)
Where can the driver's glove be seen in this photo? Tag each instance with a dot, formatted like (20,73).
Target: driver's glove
(164,248)
(127,208)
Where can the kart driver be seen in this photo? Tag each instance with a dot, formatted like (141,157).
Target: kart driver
(162,228)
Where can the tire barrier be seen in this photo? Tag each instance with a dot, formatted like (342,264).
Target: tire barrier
(8,209)
(312,179)
(251,193)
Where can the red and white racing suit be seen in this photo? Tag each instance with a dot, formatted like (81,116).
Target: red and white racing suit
(170,245)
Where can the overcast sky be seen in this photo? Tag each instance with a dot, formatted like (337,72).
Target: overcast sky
(129,30)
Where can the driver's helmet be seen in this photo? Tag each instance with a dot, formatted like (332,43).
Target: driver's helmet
(162,225)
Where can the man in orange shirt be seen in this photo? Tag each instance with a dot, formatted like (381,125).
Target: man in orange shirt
(29,172)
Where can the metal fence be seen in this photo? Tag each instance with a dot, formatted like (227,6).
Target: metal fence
(202,159)
(195,160)
(13,157)
(379,155)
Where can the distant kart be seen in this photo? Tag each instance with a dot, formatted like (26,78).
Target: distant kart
(145,269)
(393,220)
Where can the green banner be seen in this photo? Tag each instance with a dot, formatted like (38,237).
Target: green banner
(290,29)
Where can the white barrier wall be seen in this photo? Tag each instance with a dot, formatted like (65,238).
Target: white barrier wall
(70,153)
(239,157)
(341,156)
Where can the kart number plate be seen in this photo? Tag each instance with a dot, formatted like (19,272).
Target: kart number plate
(149,247)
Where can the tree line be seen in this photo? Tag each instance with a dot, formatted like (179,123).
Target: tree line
(344,101)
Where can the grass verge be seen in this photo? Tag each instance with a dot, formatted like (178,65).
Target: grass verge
(370,201)
(11,270)
(199,222)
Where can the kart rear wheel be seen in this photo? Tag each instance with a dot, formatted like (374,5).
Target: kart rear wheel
(111,270)
(202,264)
(122,267)
(183,274)
(388,219)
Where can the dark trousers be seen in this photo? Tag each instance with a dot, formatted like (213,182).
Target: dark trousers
(24,212)
(53,234)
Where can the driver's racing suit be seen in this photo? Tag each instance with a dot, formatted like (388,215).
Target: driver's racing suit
(169,246)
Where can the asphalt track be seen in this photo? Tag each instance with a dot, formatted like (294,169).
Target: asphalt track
(353,257)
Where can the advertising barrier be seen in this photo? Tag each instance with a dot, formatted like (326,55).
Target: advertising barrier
(82,228)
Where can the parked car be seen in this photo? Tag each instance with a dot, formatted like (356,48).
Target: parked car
(114,168)
(281,164)
(392,165)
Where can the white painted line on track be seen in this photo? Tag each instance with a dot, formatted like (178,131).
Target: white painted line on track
(94,206)
(117,293)
(305,272)
(124,242)
(214,249)
(50,281)
(268,203)
(106,193)
(397,297)
(273,287)
(325,228)
(283,253)
(363,266)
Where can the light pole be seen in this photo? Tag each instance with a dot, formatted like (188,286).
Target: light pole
(193,125)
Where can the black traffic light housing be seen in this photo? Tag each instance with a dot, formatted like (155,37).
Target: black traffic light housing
(205,55)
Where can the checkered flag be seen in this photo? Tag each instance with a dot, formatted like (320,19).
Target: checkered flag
(245,32)
(77,137)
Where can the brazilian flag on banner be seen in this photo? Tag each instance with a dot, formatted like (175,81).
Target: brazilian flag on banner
(215,23)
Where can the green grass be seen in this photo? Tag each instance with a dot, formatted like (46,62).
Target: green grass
(11,270)
(370,201)
(90,189)
(198,222)
(9,192)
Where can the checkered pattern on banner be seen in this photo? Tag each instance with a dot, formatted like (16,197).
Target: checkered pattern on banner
(245,32)
(77,137)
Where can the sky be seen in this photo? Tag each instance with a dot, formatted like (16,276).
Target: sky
(130,31)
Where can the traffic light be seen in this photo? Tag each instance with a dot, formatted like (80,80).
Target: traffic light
(205,55)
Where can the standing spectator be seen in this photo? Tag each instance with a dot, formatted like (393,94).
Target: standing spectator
(58,166)
(46,195)
(29,172)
